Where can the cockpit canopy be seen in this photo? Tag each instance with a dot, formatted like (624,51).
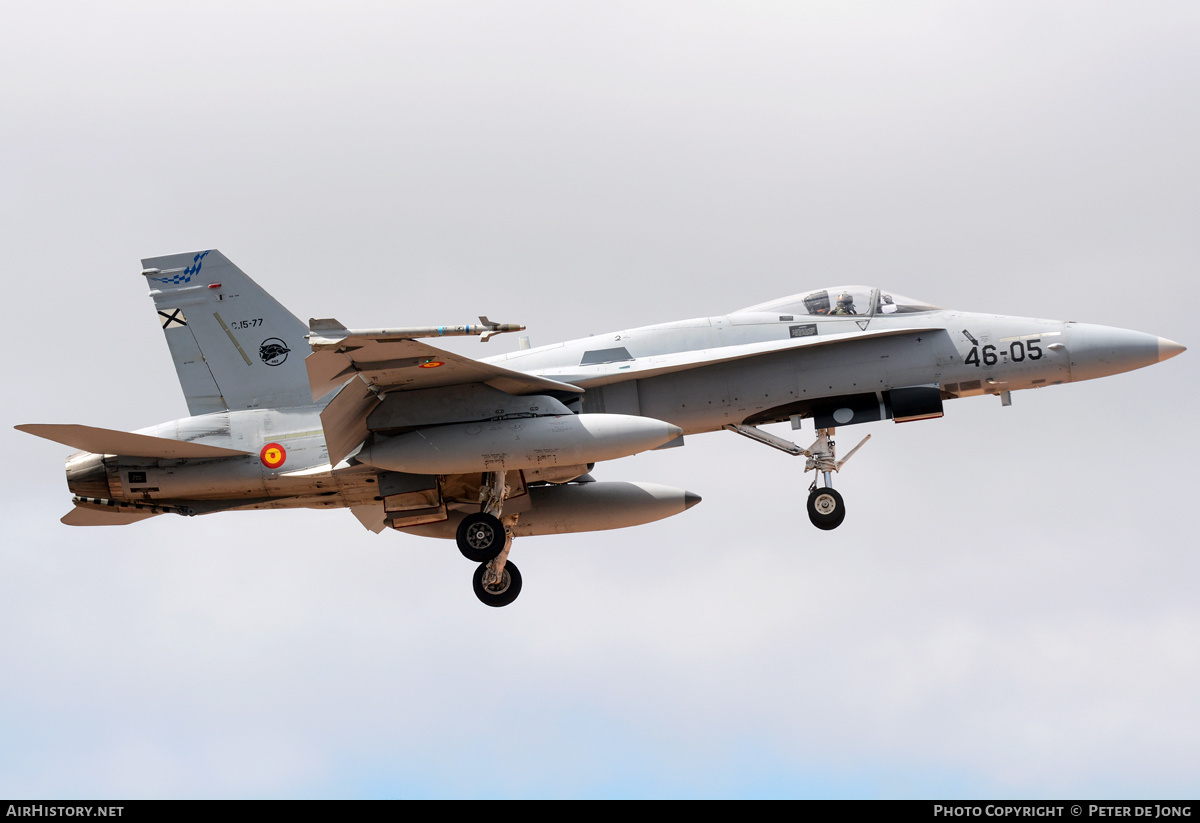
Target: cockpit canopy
(842,301)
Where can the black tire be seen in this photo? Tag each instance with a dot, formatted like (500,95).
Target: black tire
(502,594)
(826,509)
(480,537)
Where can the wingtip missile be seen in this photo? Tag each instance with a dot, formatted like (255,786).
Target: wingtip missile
(325,324)
(329,333)
(494,329)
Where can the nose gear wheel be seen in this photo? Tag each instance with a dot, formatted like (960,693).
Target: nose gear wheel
(825,508)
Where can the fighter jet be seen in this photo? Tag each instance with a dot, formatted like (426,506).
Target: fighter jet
(414,438)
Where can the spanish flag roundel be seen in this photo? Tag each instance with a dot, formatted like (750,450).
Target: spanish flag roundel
(272,455)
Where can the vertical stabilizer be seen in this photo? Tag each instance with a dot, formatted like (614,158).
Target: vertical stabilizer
(234,346)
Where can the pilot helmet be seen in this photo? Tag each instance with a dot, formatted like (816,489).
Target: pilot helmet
(844,299)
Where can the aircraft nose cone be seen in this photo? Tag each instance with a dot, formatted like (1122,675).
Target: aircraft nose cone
(1098,351)
(1168,349)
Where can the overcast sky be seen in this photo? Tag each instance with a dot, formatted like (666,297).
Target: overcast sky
(1010,608)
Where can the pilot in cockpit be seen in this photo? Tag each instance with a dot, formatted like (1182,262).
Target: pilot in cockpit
(845,304)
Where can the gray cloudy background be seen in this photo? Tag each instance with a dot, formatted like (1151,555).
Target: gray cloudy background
(1010,608)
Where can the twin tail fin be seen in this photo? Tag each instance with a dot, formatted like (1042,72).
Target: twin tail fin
(234,346)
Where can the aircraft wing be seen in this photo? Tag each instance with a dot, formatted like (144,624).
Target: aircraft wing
(400,364)
(384,363)
(599,375)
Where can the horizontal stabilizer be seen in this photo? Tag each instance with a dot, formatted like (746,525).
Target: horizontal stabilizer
(86,515)
(108,441)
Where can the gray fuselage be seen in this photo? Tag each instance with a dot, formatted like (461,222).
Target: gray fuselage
(674,372)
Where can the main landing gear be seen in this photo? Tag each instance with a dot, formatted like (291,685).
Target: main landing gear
(825,507)
(501,592)
(485,538)
(480,537)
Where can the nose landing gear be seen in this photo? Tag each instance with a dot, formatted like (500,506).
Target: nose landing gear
(825,507)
